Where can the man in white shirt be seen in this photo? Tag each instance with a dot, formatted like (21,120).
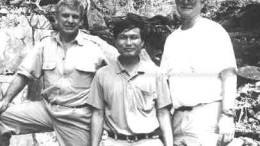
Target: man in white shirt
(199,60)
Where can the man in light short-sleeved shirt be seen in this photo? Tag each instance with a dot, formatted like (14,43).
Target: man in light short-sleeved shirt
(128,96)
(67,61)
(200,62)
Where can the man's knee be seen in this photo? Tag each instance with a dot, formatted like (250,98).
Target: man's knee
(5,139)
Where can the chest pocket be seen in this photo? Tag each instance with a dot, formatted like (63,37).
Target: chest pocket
(145,99)
(49,72)
(82,76)
(49,65)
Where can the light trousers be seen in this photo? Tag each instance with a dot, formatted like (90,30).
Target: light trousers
(71,125)
(197,127)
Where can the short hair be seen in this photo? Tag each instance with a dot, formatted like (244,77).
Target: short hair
(72,4)
(203,1)
(129,22)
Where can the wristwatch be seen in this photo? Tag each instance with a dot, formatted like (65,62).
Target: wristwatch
(229,112)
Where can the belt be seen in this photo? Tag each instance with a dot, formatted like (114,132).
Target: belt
(131,138)
(184,108)
(190,108)
(55,103)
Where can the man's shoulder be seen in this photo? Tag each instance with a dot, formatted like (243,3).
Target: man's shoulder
(174,33)
(92,38)
(48,36)
(150,67)
(211,24)
(108,69)
(213,29)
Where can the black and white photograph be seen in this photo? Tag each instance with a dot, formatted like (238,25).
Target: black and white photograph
(129,72)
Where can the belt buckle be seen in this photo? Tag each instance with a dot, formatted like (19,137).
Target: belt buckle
(136,138)
(146,136)
(115,136)
(128,139)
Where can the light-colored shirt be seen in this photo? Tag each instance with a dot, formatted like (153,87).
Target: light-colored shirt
(66,75)
(130,102)
(193,60)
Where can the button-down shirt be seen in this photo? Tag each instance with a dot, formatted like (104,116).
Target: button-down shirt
(193,59)
(130,101)
(66,75)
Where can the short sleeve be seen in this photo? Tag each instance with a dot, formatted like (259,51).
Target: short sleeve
(225,50)
(163,93)
(96,95)
(165,65)
(31,65)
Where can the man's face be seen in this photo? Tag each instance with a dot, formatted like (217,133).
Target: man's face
(69,20)
(129,42)
(189,8)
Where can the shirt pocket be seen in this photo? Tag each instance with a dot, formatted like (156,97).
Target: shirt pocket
(145,99)
(50,75)
(49,65)
(82,77)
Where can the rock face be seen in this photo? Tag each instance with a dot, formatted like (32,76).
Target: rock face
(17,38)
(147,8)
(111,8)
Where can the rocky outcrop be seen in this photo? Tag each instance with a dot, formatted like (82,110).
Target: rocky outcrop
(113,8)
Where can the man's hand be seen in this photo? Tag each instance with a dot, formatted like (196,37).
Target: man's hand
(226,130)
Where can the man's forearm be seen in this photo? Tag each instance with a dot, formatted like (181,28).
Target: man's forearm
(97,121)
(164,118)
(15,87)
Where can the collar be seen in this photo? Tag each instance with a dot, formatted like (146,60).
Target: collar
(196,22)
(78,40)
(142,67)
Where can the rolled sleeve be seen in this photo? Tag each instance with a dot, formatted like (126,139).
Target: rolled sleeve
(96,95)
(32,63)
